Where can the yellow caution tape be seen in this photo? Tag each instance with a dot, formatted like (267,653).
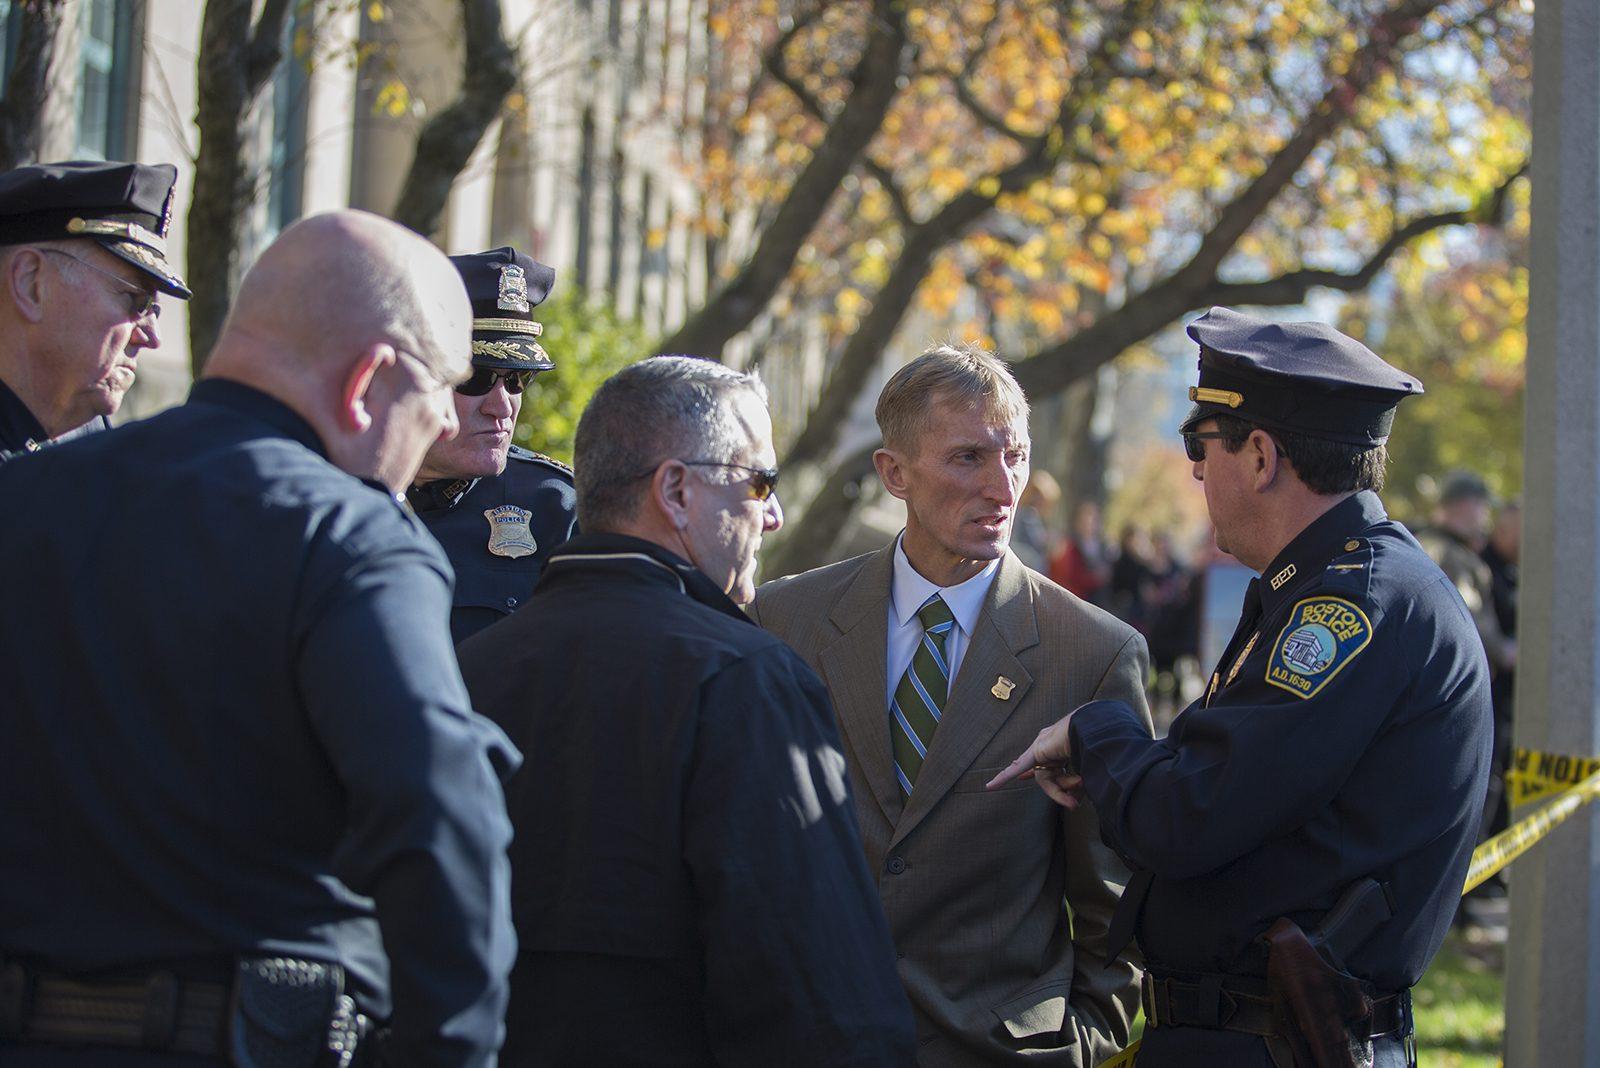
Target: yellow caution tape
(1534,775)
(1123,1059)
(1517,839)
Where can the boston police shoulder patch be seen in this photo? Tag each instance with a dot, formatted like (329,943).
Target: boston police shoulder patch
(1322,636)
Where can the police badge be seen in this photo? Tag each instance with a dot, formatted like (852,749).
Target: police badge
(509,531)
(513,289)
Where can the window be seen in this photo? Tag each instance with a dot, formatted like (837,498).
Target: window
(291,97)
(106,79)
(10,26)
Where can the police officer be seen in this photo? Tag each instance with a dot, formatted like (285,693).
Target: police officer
(82,263)
(497,509)
(1340,752)
(244,799)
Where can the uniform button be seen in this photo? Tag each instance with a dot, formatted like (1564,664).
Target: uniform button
(896,865)
(511,602)
(1351,546)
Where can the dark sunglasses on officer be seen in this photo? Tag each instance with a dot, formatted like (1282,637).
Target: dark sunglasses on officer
(1194,443)
(484,378)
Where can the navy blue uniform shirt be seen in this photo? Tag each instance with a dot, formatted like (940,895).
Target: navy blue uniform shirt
(231,722)
(688,880)
(1345,734)
(498,532)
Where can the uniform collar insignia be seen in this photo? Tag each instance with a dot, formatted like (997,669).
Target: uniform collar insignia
(1316,546)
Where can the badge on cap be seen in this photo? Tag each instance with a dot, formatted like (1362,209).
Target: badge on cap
(513,289)
(510,532)
(1322,636)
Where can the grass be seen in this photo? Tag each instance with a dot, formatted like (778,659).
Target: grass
(1459,1005)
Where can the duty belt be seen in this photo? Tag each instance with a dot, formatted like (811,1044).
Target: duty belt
(1239,1003)
(155,1011)
(195,1011)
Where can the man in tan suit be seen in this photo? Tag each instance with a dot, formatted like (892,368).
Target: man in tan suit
(943,655)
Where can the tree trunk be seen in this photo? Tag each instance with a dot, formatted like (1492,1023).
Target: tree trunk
(235,64)
(27,87)
(447,141)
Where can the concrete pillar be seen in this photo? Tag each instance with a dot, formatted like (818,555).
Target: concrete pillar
(1553,982)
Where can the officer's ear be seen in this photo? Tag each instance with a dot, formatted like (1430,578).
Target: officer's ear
(1265,459)
(25,283)
(670,492)
(355,414)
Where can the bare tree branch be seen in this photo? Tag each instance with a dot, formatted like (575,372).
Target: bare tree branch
(447,141)
(873,82)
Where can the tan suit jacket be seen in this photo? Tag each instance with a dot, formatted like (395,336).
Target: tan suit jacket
(998,969)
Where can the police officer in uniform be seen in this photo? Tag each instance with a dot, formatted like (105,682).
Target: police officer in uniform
(244,799)
(82,261)
(497,509)
(1339,755)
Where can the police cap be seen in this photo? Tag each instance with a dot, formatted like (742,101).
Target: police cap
(505,286)
(1305,378)
(126,207)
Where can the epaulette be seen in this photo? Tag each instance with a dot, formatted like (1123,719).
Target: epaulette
(1350,573)
(519,453)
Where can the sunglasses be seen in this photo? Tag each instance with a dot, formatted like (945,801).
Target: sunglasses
(763,480)
(484,378)
(141,302)
(1192,446)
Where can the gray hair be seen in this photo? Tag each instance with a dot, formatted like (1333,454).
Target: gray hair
(662,408)
(946,372)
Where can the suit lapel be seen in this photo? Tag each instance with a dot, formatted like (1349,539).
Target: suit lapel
(853,667)
(973,713)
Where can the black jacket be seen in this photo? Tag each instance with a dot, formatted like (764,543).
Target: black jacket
(687,877)
(231,723)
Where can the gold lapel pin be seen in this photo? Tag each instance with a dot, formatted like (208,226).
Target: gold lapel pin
(1002,688)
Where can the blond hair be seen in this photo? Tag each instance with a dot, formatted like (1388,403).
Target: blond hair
(946,372)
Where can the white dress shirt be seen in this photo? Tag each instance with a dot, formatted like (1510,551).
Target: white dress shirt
(910,591)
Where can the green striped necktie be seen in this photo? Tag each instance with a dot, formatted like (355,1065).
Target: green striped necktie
(918,700)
